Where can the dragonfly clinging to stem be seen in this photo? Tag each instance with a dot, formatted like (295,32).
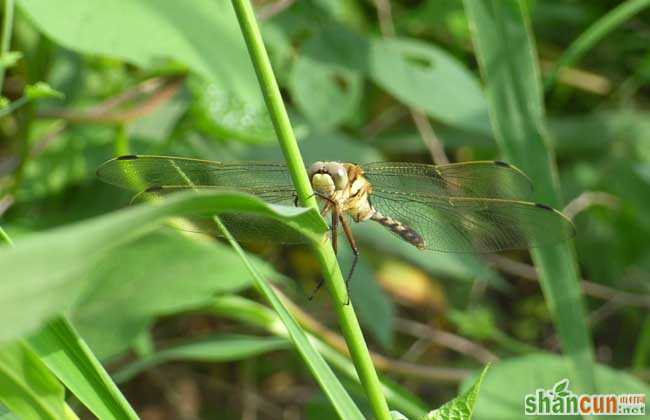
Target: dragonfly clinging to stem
(460,207)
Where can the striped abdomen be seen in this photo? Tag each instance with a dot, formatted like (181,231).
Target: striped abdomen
(399,228)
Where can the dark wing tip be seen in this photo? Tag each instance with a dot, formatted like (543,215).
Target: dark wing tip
(126,157)
(569,223)
(154,188)
(545,207)
(515,169)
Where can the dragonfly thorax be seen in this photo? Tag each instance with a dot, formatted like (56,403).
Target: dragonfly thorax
(344,187)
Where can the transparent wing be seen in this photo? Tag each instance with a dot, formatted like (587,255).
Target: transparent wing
(467,224)
(139,173)
(470,179)
(245,227)
(154,177)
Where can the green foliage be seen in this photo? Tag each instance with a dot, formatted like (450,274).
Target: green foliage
(461,407)
(92,290)
(10,59)
(427,78)
(51,278)
(166,32)
(41,90)
(67,356)
(506,54)
(27,388)
(504,388)
(216,348)
(130,278)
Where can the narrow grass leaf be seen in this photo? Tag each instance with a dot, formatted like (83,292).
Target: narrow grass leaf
(253,313)
(592,35)
(217,348)
(69,358)
(27,388)
(338,396)
(506,55)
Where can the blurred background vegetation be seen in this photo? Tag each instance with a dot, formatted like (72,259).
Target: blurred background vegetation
(364,81)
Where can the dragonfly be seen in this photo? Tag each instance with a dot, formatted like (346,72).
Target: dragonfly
(478,206)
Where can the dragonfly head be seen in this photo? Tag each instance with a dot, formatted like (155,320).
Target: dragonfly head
(327,177)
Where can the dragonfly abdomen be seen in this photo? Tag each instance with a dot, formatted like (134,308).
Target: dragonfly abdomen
(399,228)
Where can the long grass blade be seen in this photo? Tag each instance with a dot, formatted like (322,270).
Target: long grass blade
(507,58)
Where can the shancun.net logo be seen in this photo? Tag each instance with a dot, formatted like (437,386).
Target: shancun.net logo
(561,401)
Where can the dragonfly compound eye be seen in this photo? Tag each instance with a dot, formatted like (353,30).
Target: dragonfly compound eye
(338,173)
(315,168)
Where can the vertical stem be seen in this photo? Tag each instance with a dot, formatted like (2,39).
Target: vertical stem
(7,26)
(273,99)
(331,271)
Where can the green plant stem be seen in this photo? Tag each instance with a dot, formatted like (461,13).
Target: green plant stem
(274,102)
(7,27)
(331,271)
(597,31)
(345,409)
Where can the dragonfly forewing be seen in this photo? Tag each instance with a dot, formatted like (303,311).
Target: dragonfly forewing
(154,177)
(494,179)
(141,172)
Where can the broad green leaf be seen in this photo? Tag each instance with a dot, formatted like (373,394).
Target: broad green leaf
(66,354)
(191,270)
(419,74)
(202,34)
(27,387)
(220,114)
(338,88)
(503,390)
(506,55)
(426,77)
(461,407)
(45,274)
(217,348)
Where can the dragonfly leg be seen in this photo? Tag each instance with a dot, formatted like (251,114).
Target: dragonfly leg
(335,222)
(317,288)
(355,251)
(334,227)
(314,194)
